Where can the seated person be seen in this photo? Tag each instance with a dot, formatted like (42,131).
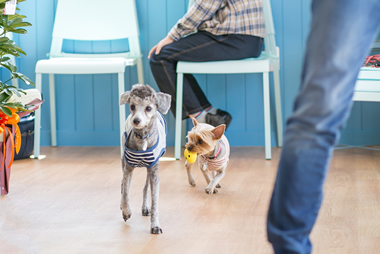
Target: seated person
(212,30)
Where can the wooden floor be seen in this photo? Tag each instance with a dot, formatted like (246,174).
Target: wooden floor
(69,203)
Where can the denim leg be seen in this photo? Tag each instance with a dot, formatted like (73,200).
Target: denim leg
(198,47)
(340,37)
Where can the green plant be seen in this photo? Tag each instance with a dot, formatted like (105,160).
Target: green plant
(11,24)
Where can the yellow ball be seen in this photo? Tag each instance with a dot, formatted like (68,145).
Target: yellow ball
(190,157)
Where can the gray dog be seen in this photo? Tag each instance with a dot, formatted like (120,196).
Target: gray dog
(144,143)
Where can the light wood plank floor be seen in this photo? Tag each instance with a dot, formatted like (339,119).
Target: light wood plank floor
(69,203)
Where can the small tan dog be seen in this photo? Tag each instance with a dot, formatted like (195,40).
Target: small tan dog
(213,151)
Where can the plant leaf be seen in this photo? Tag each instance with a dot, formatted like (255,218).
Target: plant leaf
(4,97)
(24,78)
(5,59)
(9,66)
(18,31)
(14,105)
(15,91)
(4,39)
(21,24)
(6,111)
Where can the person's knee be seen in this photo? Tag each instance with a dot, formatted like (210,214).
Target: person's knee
(154,63)
(324,113)
(162,56)
(153,58)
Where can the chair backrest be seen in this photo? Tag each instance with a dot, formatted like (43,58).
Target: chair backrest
(191,2)
(269,40)
(93,20)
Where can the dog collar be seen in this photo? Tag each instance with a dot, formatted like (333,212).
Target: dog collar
(143,137)
(218,152)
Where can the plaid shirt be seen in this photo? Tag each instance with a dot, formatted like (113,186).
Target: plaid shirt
(221,17)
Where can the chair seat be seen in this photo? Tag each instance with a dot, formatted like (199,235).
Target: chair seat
(83,66)
(248,65)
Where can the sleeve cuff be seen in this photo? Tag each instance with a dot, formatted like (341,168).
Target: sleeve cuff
(174,34)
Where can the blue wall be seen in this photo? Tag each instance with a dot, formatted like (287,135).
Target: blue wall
(87,105)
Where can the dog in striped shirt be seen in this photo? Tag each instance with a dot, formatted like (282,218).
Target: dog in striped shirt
(213,151)
(144,142)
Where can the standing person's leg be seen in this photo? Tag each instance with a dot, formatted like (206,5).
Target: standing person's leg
(340,37)
(198,47)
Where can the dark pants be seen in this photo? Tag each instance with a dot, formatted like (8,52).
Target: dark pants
(198,47)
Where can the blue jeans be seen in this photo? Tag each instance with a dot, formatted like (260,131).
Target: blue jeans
(341,34)
(198,47)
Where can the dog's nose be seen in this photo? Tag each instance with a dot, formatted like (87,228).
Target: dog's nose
(189,148)
(136,121)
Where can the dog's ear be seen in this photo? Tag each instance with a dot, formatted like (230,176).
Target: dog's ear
(218,131)
(124,98)
(195,122)
(163,101)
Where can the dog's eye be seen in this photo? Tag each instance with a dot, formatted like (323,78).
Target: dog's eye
(200,142)
(148,109)
(133,107)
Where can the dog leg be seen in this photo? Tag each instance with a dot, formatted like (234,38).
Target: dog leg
(145,207)
(125,184)
(211,186)
(204,172)
(155,188)
(189,174)
(213,176)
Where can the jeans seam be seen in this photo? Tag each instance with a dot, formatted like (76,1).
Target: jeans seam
(199,46)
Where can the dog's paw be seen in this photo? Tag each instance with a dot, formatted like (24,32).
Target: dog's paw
(218,186)
(156,230)
(192,183)
(126,214)
(145,211)
(211,191)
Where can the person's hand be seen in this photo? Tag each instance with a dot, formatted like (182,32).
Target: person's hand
(165,41)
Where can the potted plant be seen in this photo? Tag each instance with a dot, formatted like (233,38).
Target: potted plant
(10,110)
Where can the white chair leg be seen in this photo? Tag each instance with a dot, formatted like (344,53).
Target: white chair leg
(15,82)
(178,117)
(268,152)
(37,122)
(53,120)
(140,74)
(183,134)
(277,95)
(122,116)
